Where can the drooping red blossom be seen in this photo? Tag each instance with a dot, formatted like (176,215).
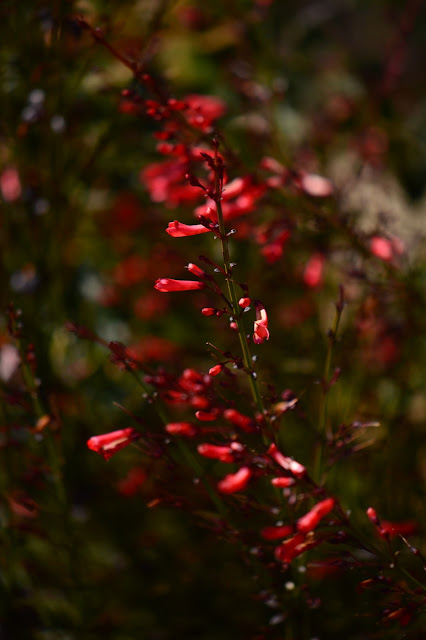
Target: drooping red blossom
(109,443)
(177,229)
(181,429)
(286,463)
(133,481)
(224,453)
(277,533)
(314,269)
(239,420)
(311,520)
(234,482)
(166,285)
(260,331)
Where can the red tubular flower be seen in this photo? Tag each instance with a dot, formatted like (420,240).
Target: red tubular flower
(214,371)
(109,443)
(286,463)
(234,482)
(223,453)
(168,284)
(208,311)
(239,198)
(290,548)
(195,270)
(261,331)
(311,520)
(276,533)
(239,420)
(282,483)
(179,230)
(372,515)
(393,529)
(181,429)
(199,402)
(207,416)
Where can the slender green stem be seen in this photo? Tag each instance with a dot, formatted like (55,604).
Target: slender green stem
(247,359)
(40,412)
(323,430)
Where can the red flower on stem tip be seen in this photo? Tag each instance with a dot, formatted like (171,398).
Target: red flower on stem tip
(239,420)
(208,311)
(282,482)
(286,463)
(179,230)
(181,429)
(234,482)
(166,285)
(393,529)
(372,515)
(239,197)
(261,331)
(277,533)
(214,371)
(311,520)
(109,443)
(295,546)
(207,416)
(195,270)
(224,453)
